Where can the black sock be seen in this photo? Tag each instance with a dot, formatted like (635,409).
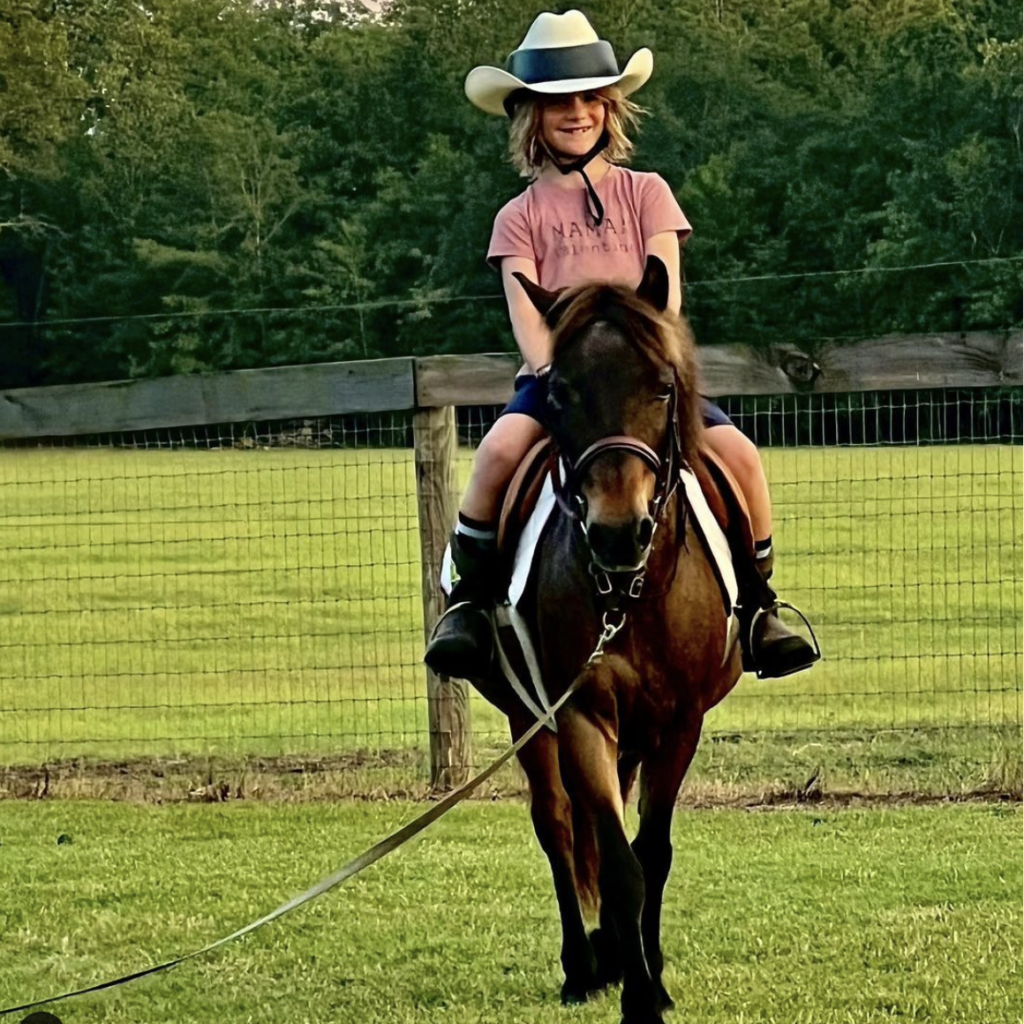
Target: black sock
(764,557)
(484,534)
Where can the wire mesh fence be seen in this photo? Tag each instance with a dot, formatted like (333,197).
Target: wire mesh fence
(239,590)
(250,594)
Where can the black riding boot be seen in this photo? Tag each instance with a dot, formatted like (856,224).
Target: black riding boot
(462,644)
(770,648)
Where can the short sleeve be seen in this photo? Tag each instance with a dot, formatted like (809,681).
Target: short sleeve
(659,210)
(511,235)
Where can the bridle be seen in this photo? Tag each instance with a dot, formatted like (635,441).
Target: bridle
(666,473)
(665,468)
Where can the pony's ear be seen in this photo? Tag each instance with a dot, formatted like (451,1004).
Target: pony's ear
(654,286)
(540,297)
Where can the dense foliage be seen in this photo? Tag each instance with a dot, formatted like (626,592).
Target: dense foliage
(192,157)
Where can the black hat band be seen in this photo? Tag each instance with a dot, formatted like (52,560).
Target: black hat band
(563,63)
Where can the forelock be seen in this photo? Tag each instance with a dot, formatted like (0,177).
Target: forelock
(655,335)
(663,338)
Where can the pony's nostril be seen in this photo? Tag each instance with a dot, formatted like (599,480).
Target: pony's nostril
(645,533)
(602,541)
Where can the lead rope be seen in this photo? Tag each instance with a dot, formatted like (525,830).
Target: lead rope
(375,853)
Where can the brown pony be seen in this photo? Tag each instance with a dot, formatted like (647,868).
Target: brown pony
(624,415)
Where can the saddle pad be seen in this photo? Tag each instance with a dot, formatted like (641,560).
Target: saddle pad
(526,549)
(711,534)
(716,546)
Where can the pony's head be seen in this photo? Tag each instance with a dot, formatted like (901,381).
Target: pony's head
(622,407)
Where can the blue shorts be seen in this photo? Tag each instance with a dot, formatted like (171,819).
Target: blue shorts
(712,414)
(531,399)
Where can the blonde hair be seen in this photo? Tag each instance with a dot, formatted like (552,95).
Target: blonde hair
(526,147)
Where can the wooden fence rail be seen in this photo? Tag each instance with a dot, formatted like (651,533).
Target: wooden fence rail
(431,387)
(392,385)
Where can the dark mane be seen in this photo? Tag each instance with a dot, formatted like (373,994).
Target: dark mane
(663,338)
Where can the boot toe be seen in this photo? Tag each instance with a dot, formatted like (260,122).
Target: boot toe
(779,652)
(461,646)
(785,656)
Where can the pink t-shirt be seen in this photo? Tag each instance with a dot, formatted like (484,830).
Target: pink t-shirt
(549,225)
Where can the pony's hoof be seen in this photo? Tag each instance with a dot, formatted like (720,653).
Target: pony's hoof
(649,1009)
(663,1002)
(580,968)
(574,993)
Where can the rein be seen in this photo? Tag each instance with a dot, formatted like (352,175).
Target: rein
(398,838)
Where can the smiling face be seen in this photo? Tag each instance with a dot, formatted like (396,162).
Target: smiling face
(572,124)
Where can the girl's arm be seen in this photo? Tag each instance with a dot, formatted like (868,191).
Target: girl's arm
(531,332)
(665,245)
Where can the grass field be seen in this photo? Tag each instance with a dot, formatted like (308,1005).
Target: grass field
(777,917)
(238,603)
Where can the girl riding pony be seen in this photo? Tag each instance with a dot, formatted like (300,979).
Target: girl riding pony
(585,217)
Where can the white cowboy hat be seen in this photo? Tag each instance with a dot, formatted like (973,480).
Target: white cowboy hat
(560,54)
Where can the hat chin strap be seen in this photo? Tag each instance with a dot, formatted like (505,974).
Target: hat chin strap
(567,165)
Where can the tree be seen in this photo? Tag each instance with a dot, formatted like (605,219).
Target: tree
(171,172)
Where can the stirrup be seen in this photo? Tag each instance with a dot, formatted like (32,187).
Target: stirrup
(775,606)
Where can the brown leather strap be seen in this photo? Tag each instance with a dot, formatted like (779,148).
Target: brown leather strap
(737,530)
(620,443)
(521,493)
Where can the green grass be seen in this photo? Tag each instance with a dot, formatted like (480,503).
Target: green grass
(779,917)
(232,603)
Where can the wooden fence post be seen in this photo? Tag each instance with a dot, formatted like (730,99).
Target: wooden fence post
(436,444)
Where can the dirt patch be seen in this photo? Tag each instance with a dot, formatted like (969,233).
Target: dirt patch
(391,775)
(388,775)
(783,800)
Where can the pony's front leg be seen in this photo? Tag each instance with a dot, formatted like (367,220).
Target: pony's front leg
(551,812)
(588,758)
(661,778)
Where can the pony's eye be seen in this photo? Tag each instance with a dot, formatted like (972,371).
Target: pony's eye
(664,394)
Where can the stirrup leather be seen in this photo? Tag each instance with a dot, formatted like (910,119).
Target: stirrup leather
(774,607)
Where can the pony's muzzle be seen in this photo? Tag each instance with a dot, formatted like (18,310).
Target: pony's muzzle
(622,547)
(618,511)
